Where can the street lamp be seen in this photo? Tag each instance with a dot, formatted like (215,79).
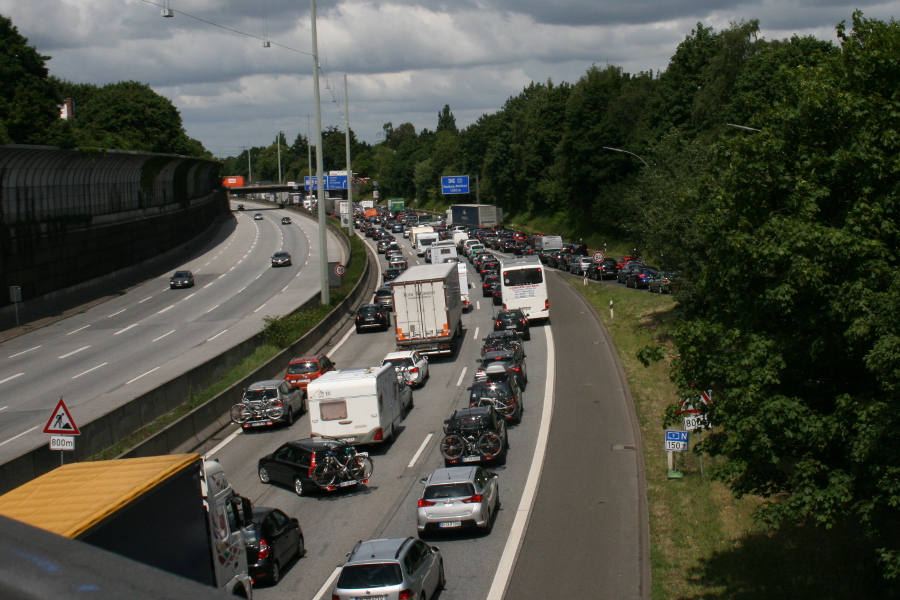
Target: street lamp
(627,152)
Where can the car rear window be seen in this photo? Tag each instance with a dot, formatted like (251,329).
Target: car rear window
(507,317)
(303,368)
(369,310)
(449,490)
(256,395)
(399,362)
(333,410)
(354,577)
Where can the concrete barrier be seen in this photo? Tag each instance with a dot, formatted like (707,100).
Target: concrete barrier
(197,426)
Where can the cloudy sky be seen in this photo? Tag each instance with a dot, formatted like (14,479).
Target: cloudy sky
(405,59)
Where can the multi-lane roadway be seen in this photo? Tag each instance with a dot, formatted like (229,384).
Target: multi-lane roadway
(107,355)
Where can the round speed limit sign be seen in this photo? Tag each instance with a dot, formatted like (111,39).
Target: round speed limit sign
(340,270)
(598,257)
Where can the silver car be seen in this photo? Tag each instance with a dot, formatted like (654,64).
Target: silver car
(456,498)
(391,569)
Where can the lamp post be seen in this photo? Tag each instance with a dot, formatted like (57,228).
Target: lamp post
(320,167)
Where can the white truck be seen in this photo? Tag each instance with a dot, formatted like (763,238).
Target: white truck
(547,243)
(415,230)
(176,512)
(428,308)
(438,251)
(424,240)
(359,406)
(367,204)
(464,285)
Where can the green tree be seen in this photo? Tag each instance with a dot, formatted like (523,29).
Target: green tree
(446,121)
(28,97)
(792,319)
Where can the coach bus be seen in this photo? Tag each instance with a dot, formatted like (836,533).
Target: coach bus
(523,286)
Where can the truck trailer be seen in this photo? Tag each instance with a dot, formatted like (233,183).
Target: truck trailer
(177,513)
(428,308)
(474,215)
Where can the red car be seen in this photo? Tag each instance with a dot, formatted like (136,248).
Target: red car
(303,369)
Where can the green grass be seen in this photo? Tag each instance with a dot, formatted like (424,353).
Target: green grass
(281,332)
(704,542)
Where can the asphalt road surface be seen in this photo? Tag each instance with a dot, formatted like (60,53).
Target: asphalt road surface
(117,350)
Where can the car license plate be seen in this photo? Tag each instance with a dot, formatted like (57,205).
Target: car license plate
(257,424)
(379,597)
(471,458)
(451,524)
(348,439)
(346,483)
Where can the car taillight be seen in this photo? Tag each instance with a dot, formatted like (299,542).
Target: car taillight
(504,306)
(263,549)
(547,304)
(473,499)
(516,369)
(497,324)
(414,369)
(423,503)
(357,317)
(312,464)
(379,435)
(406,595)
(524,321)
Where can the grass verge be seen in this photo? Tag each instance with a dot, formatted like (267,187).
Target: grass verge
(281,332)
(704,542)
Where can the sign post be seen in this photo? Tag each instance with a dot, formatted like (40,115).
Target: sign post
(15,296)
(676,441)
(62,430)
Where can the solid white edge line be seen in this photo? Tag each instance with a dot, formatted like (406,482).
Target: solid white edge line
(420,450)
(13,377)
(18,436)
(475,337)
(89,370)
(327,585)
(139,376)
(461,375)
(523,513)
(222,444)
(25,351)
(343,339)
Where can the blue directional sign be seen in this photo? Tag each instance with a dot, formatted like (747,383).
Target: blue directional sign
(455,184)
(309,183)
(335,182)
(677,441)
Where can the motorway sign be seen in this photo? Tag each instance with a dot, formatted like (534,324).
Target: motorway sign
(310,183)
(335,182)
(598,257)
(677,441)
(61,421)
(455,184)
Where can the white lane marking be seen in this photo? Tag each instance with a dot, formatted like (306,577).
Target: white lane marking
(257,277)
(242,289)
(18,436)
(73,352)
(232,268)
(164,335)
(139,376)
(461,375)
(208,284)
(478,305)
(77,330)
(126,329)
(284,289)
(89,370)
(475,337)
(420,450)
(207,264)
(523,512)
(191,296)
(3,407)
(222,444)
(327,585)
(11,378)
(24,351)
(217,335)
(259,309)
(165,309)
(198,270)
(212,309)
(117,313)
(221,276)
(145,299)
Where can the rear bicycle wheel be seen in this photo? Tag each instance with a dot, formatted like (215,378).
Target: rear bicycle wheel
(452,446)
(324,474)
(360,467)
(490,444)
(240,413)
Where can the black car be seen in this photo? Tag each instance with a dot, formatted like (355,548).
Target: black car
(273,540)
(626,271)
(285,220)
(397,228)
(281,259)
(502,392)
(475,435)
(181,279)
(240,207)
(497,294)
(509,359)
(512,319)
(556,258)
(604,270)
(487,287)
(504,340)
(640,278)
(372,315)
(292,464)
(571,264)
(385,297)
(391,274)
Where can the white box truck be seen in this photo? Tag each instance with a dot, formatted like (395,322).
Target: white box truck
(438,251)
(359,406)
(463,285)
(428,308)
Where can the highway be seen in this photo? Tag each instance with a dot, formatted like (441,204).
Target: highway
(111,353)
(590,471)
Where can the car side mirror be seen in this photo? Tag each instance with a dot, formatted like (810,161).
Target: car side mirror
(423,480)
(434,549)
(492,475)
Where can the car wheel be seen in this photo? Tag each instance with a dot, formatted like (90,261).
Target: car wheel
(290,416)
(442,579)
(276,573)
(489,527)
(358,330)
(301,548)
(264,475)
(298,486)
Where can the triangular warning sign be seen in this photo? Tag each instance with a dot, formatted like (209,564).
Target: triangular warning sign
(61,421)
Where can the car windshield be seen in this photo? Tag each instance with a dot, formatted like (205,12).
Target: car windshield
(493,391)
(256,395)
(303,368)
(281,255)
(449,490)
(181,274)
(523,276)
(354,577)
(369,310)
(383,294)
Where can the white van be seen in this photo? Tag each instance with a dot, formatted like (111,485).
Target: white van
(424,240)
(359,406)
(437,252)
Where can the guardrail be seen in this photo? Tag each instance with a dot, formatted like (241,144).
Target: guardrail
(190,430)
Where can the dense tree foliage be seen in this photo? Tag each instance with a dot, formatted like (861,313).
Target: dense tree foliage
(790,317)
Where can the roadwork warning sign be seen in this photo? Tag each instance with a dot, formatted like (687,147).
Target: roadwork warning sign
(61,421)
